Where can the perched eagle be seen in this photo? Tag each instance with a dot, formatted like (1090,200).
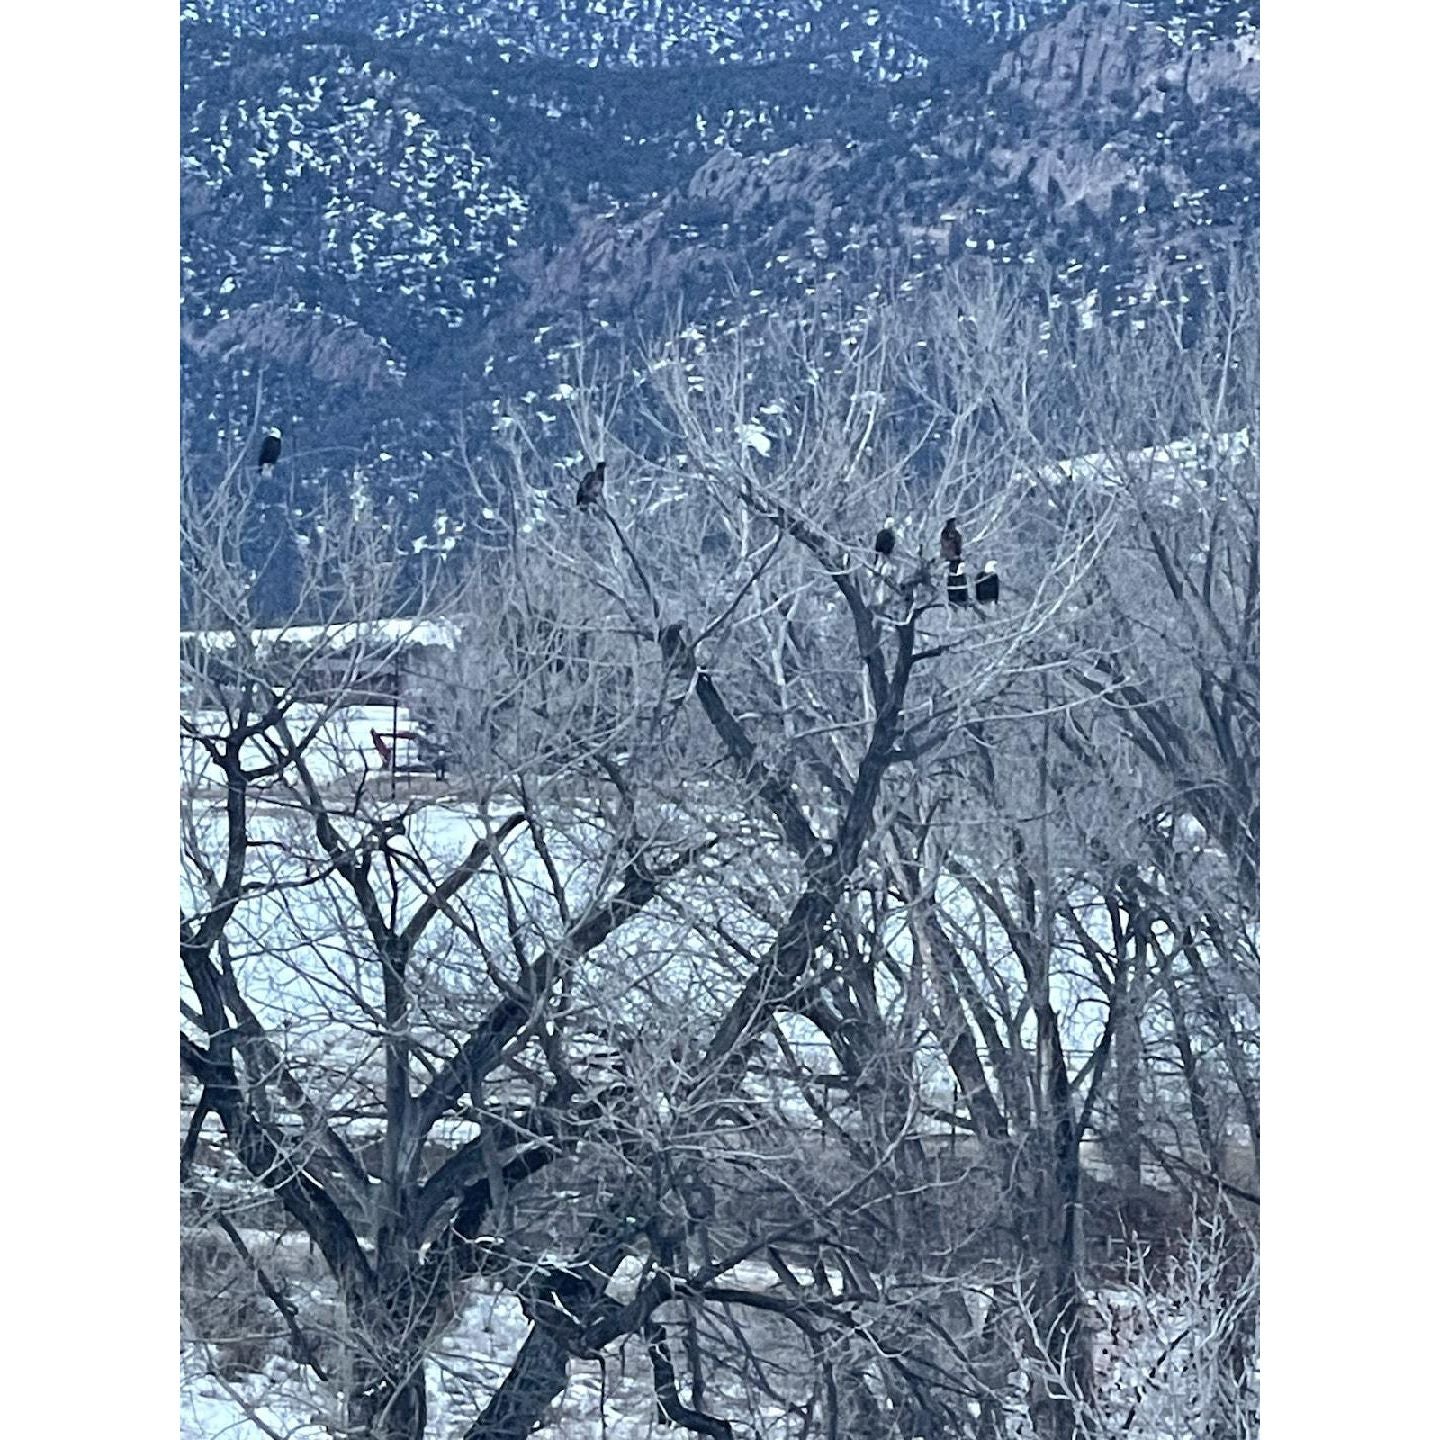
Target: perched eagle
(987,585)
(591,486)
(957,588)
(885,540)
(269,448)
(950,544)
(674,644)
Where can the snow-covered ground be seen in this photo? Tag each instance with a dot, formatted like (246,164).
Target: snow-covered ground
(1158,1369)
(398,630)
(613,1398)
(345,747)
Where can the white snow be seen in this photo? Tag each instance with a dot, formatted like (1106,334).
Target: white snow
(753,437)
(404,630)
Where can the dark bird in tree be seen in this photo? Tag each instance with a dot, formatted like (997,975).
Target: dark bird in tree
(987,585)
(950,543)
(885,540)
(957,586)
(591,486)
(675,644)
(269,448)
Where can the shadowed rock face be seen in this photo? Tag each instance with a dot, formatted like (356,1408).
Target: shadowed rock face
(330,348)
(1101,72)
(1101,53)
(392,206)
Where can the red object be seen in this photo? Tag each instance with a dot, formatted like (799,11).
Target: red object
(387,752)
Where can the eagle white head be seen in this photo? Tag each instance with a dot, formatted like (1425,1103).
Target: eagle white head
(989,567)
(889,522)
(274,432)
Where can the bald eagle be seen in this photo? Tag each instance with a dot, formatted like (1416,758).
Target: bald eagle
(957,588)
(885,540)
(269,448)
(987,585)
(674,644)
(950,544)
(591,486)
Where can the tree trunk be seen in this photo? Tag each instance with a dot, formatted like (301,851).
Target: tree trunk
(1128,1055)
(388,1402)
(535,1379)
(387,1392)
(1052,1239)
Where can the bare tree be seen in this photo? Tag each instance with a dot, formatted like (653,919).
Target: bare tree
(744,997)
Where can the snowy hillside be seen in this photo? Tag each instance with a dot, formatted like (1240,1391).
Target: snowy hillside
(395,214)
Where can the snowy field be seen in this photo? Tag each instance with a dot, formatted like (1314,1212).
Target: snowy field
(344,748)
(465,1369)
(613,1398)
(1154,1370)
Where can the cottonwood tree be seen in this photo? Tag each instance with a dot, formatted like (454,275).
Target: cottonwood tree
(832,728)
(1172,1339)
(1147,742)
(1183,602)
(1089,851)
(746,994)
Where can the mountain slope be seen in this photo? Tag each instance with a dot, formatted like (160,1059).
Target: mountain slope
(390,210)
